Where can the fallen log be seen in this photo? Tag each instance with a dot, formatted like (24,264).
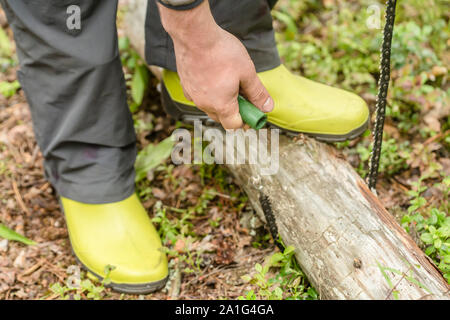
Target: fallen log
(345,241)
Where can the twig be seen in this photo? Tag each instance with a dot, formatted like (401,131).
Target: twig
(44,186)
(19,198)
(51,268)
(218,270)
(436,137)
(33,268)
(7,294)
(222,195)
(176,283)
(398,282)
(52,297)
(197,278)
(403,185)
(34,156)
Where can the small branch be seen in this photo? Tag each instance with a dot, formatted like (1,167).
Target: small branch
(398,282)
(19,198)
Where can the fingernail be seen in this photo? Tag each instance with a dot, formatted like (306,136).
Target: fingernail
(268,105)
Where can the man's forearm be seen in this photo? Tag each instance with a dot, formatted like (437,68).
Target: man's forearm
(190,28)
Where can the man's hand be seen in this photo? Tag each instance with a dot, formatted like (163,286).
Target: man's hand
(213,65)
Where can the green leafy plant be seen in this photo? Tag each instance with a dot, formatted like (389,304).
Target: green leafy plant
(288,283)
(174,231)
(139,84)
(432,224)
(138,77)
(207,195)
(394,156)
(7,57)
(87,289)
(192,259)
(5,44)
(9,234)
(8,89)
(168,229)
(152,156)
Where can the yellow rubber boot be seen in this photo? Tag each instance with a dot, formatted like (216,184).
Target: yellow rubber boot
(118,234)
(301,105)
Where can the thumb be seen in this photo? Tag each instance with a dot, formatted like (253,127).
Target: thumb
(256,93)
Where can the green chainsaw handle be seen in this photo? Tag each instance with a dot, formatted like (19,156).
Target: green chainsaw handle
(250,114)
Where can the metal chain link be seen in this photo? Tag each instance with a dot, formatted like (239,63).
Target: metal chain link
(383,85)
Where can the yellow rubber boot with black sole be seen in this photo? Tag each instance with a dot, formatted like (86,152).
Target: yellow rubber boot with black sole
(121,235)
(301,106)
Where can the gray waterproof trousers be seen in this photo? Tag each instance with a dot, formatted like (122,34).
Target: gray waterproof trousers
(71,74)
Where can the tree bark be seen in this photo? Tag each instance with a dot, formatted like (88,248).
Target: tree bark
(344,238)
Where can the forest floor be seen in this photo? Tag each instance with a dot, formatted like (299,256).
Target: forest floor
(211,232)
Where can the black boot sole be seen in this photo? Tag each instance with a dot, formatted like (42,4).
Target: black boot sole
(128,288)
